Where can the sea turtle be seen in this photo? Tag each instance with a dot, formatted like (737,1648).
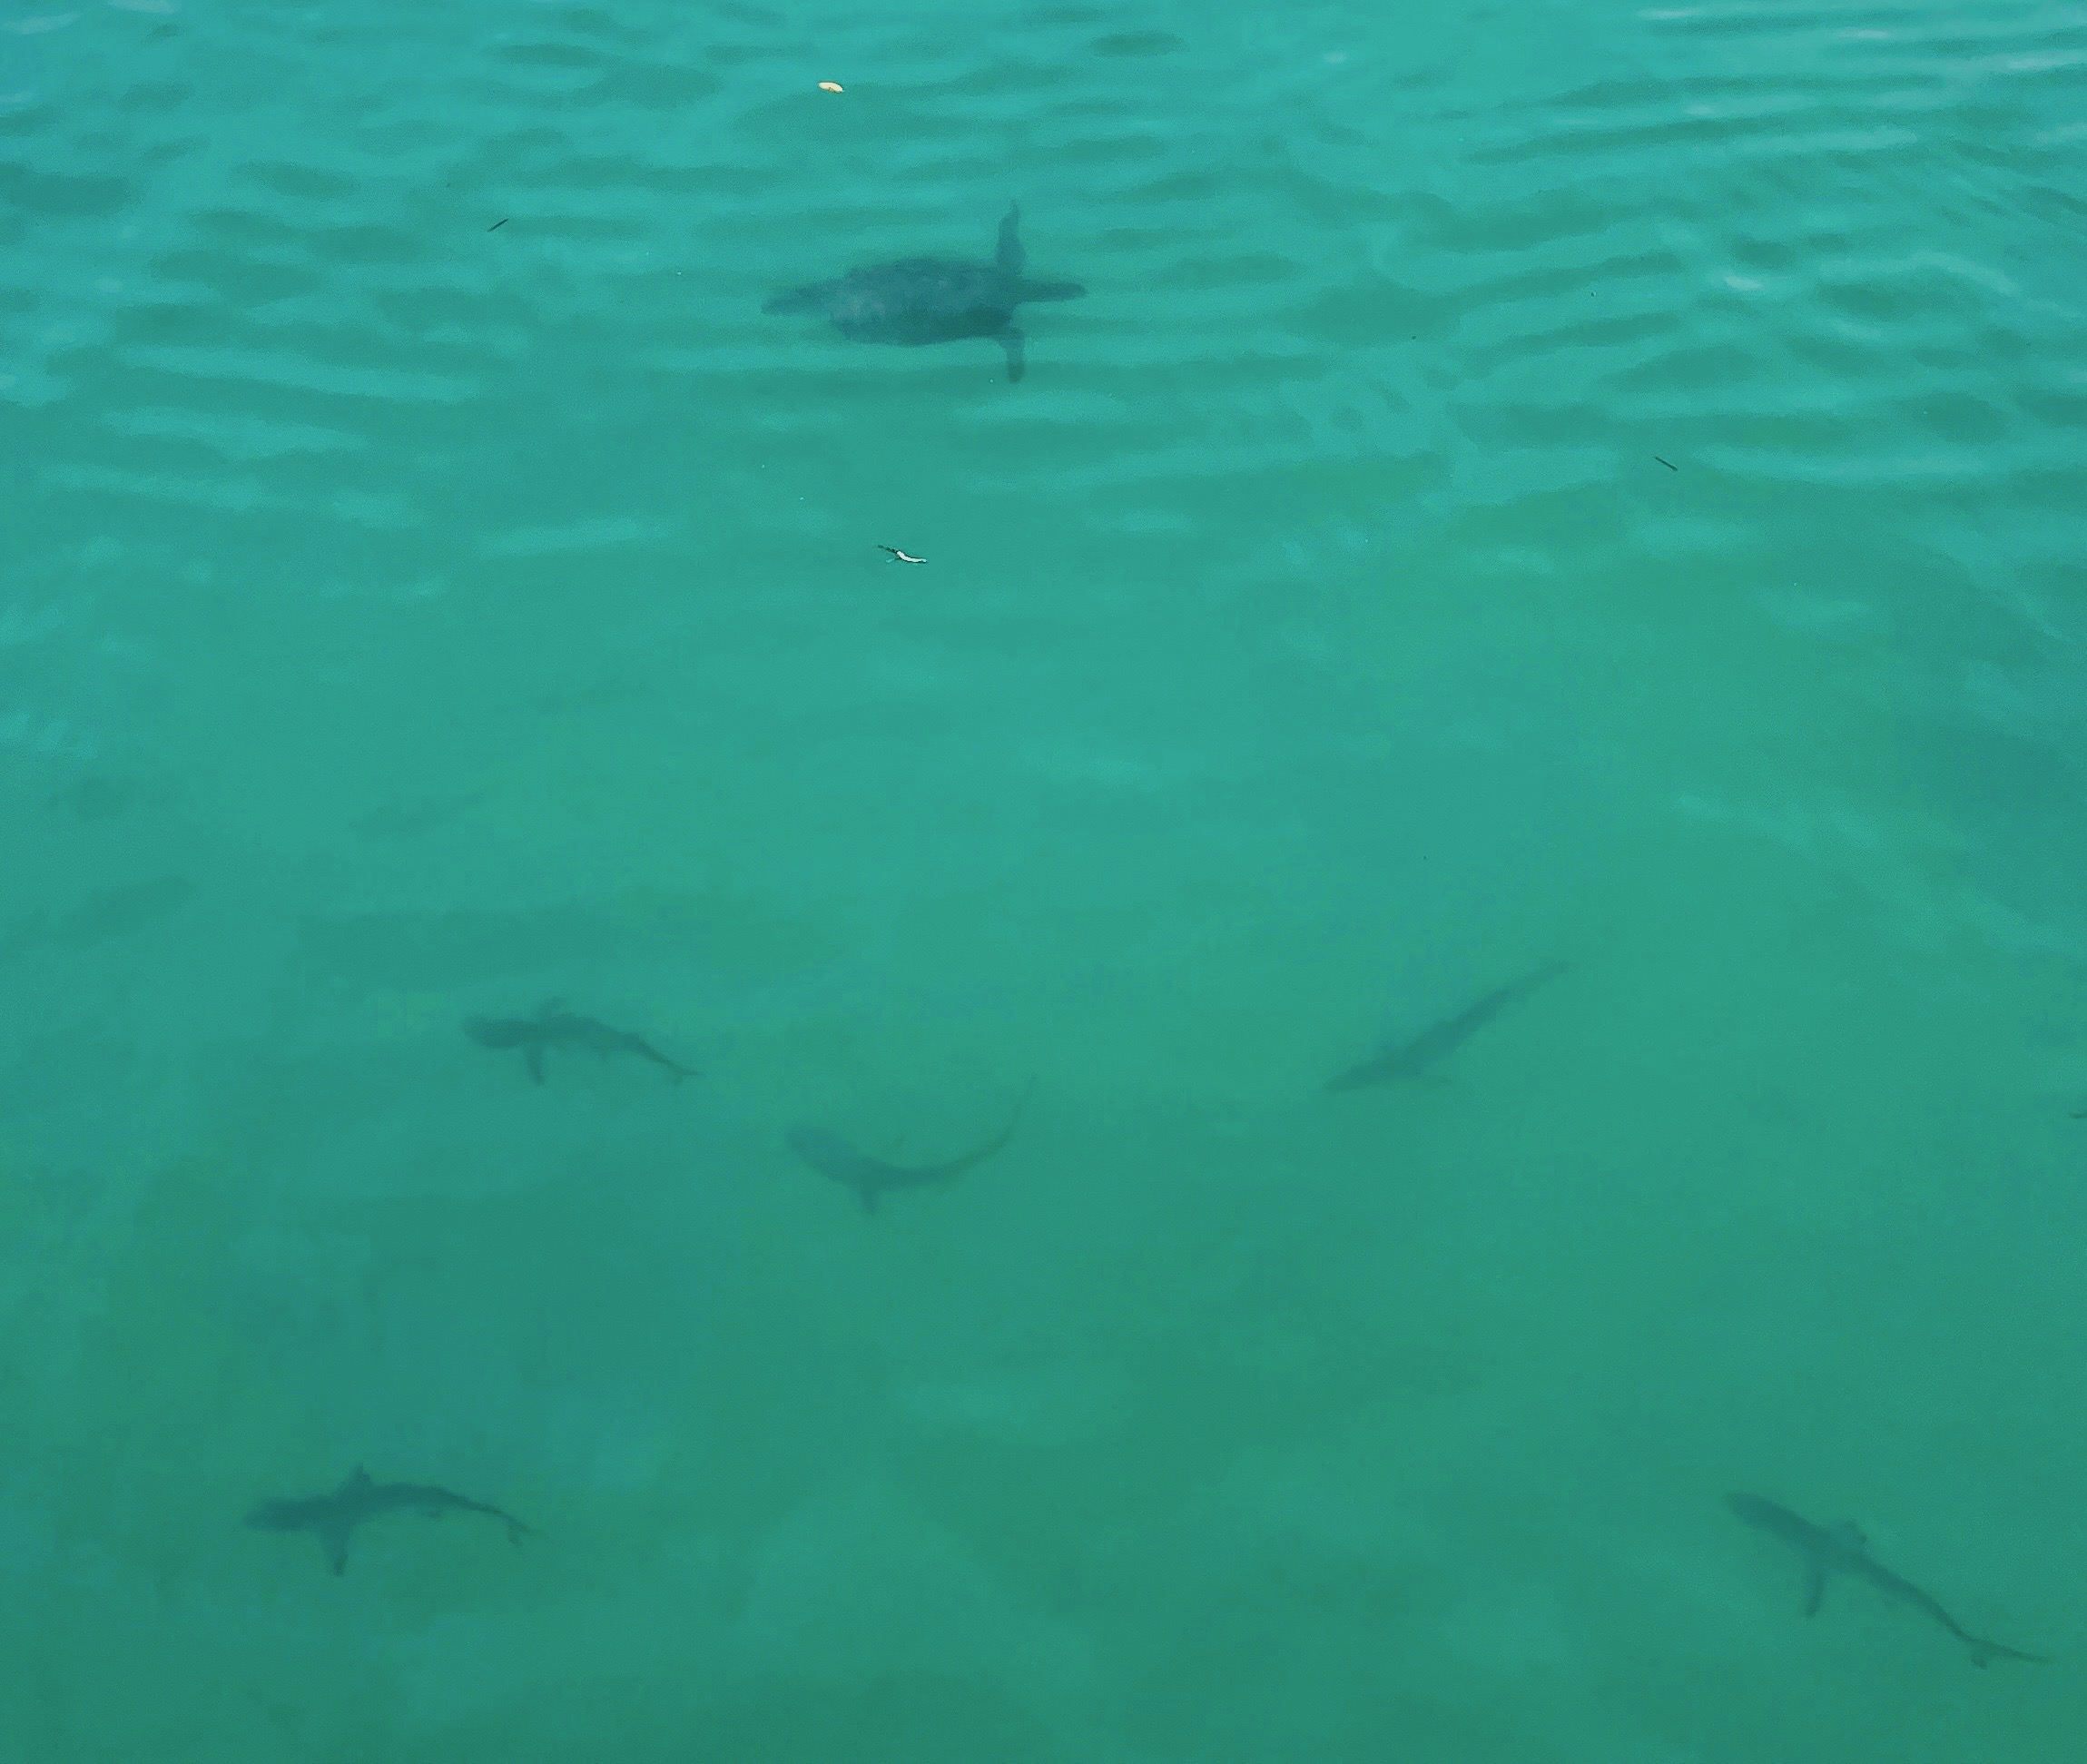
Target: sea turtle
(930,299)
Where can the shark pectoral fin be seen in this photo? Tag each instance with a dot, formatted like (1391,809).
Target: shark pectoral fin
(1011,339)
(1008,254)
(868,1197)
(333,1539)
(1984,1654)
(534,1056)
(1814,1587)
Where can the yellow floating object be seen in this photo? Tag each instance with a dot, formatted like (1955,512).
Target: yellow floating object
(830,85)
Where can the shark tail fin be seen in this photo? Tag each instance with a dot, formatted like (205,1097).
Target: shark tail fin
(956,1167)
(1015,1114)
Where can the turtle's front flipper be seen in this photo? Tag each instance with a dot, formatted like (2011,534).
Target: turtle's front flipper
(818,298)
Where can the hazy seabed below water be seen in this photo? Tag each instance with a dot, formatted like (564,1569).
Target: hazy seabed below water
(1523,486)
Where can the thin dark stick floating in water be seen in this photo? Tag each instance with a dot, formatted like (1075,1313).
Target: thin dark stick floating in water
(1668,463)
(498,225)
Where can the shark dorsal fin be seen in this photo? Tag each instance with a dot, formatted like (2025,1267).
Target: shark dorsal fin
(1009,254)
(358,1478)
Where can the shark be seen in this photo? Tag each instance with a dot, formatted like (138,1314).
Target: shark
(871,1179)
(333,1518)
(1842,1549)
(1433,1045)
(552,1026)
(933,300)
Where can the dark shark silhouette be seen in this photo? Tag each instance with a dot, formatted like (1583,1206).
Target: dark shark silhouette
(1830,1550)
(552,1026)
(1410,1058)
(933,300)
(333,1518)
(871,1179)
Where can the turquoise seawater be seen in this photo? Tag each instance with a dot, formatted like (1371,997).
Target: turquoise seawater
(1526,483)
